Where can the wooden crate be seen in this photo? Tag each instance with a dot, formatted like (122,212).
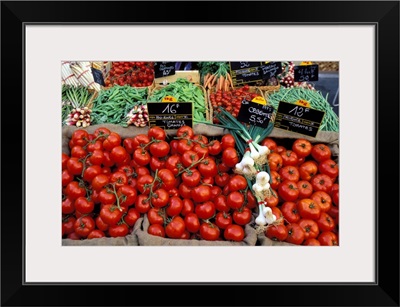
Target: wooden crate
(191,75)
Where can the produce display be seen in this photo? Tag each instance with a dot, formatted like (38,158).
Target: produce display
(121,104)
(185,91)
(224,180)
(135,74)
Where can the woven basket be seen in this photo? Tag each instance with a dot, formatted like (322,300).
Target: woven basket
(206,102)
(270,88)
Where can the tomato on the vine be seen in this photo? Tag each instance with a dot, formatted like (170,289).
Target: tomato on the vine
(234,232)
(209,231)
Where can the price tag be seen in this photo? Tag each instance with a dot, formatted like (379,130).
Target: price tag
(245,72)
(259,99)
(164,69)
(169,99)
(271,70)
(296,118)
(171,115)
(305,73)
(255,114)
(303,103)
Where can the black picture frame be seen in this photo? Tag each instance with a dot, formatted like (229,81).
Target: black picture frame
(384,292)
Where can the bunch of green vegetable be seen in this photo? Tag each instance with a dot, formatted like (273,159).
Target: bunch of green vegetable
(184,91)
(315,100)
(113,104)
(75,105)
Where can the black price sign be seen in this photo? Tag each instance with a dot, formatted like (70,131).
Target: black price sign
(164,69)
(304,73)
(98,76)
(298,118)
(255,114)
(245,72)
(271,70)
(171,115)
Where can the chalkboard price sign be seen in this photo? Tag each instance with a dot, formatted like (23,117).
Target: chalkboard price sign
(305,73)
(171,115)
(255,114)
(245,72)
(98,76)
(164,69)
(298,119)
(271,70)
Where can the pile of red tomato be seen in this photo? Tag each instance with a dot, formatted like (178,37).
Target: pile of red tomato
(135,74)
(305,184)
(231,100)
(184,184)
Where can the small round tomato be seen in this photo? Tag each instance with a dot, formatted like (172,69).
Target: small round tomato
(277,232)
(156,230)
(159,198)
(118,178)
(308,170)
(228,141)
(111,141)
(175,206)
(159,149)
(74,189)
(289,172)
(100,181)
(295,234)
(209,231)
(221,203)
(275,180)
(131,216)
(66,177)
(84,205)
(68,224)
(288,190)
(185,191)
(95,234)
(290,212)
(230,156)
(328,238)
(141,157)
(329,167)
(323,200)
(237,183)
(289,157)
(91,172)
(184,145)
(166,178)
(119,230)
(235,200)
(272,200)
(189,158)
(201,193)
(143,184)
(192,222)
(96,158)
(75,166)
(214,147)
(251,202)
(80,137)
(110,214)
(223,219)
(326,222)
(127,195)
(275,161)
(305,189)
(64,160)
(78,152)
(68,206)
(188,206)
(175,228)
(191,178)
(222,179)
(185,132)
(157,133)
(310,227)
(156,216)
(84,225)
(118,154)
(302,147)
(207,167)
(242,216)
(321,152)
(234,232)
(205,210)
(308,209)
(142,204)
(322,182)
(140,140)
(101,133)
(174,164)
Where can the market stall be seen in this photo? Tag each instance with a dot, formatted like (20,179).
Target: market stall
(199,153)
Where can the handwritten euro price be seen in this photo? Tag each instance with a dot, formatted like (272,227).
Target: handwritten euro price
(256,119)
(170,109)
(299,111)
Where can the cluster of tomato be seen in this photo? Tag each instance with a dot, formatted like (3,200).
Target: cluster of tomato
(135,74)
(183,184)
(231,100)
(305,198)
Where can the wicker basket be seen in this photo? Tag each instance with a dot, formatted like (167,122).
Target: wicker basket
(206,102)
